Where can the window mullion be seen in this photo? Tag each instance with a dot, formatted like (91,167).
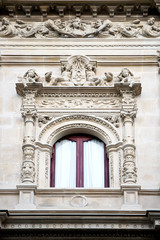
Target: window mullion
(79,170)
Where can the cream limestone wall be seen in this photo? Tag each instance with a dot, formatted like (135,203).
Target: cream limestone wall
(20,55)
(147,128)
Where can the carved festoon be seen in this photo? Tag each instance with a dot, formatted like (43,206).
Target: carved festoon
(78,28)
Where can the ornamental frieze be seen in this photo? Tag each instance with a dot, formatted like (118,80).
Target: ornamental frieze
(78,28)
(81,103)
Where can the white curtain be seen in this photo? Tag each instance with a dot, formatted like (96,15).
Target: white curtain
(93,156)
(65,164)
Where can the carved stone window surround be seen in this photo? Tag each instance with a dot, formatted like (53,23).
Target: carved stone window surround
(55,128)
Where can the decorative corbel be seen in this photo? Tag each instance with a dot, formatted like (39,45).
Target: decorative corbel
(78,10)
(44,10)
(11,10)
(94,10)
(111,10)
(3,217)
(144,10)
(27,10)
(61,10)
(157,2)
(128,10)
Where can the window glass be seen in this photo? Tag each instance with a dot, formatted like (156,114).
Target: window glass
(79,161)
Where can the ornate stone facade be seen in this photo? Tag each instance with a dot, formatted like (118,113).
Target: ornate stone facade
(79,68)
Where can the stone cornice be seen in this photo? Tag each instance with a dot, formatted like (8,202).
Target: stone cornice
(77,7)
(84,91)
(80,219)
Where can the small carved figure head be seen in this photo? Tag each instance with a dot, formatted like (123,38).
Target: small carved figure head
(151,21)
(66,67)
(98,23)
(27,170)
(89,67)
(76,23)
(48,76)
(58,23)
(108,76)
(31,76)
(125,73)
(5,21)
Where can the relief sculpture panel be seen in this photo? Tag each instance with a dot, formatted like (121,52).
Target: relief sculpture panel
(78,28)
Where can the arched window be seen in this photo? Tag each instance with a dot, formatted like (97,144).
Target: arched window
(79,161)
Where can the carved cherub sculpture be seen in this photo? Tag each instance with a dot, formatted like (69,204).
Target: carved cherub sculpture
(30,77)
(63,80)
(6,29)
(93,80)
(151,29)
(126,76)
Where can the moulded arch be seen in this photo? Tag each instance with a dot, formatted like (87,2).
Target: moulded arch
(73,124)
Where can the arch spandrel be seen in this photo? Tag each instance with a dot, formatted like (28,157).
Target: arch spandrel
(65,125)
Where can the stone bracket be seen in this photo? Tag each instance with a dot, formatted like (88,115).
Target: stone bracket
(3,217)
(155,218)
(130,196)
(26,196)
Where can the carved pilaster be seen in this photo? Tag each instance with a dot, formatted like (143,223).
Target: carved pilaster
(128,113)
(129,172)
(29,114)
